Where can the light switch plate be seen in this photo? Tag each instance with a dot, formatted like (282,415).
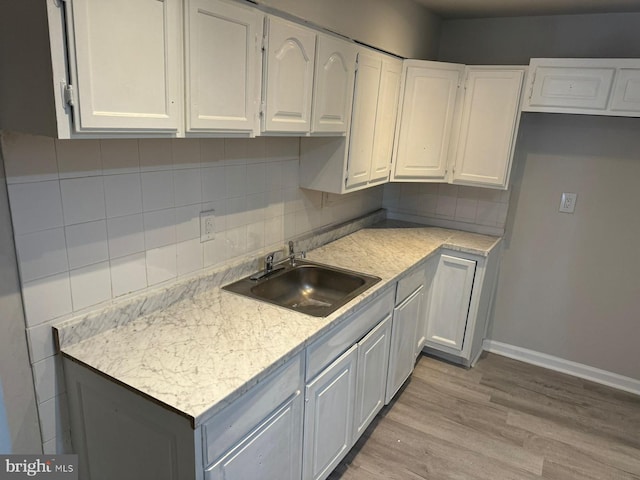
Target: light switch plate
(568,202)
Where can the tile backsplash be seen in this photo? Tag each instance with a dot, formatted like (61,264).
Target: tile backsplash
(95,220)
(474,209)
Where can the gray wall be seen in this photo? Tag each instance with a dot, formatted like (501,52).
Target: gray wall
(401,27)
(513,41)
(15,370)
(568,285)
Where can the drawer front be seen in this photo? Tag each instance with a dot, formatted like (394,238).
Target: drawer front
(242,416)
(569,87)
(626,93)
(333,344)
(409,284)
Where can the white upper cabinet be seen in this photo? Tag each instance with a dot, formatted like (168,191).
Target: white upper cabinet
(489,125)
(386,114)
(223,67)
(591,86)
(626,92)
(363,124)
(333,86)
(430,91)
(288,77)
(463,136)
(126,60)
(375,106)
(361,159)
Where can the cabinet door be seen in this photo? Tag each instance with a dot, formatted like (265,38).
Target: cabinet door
(328,416)
(403,340)
(363,123)
(429,276)
(373,361)
(272,451)
(488,127)
(430,92)
(290,53)
(333,86)
(626,92)
(385,120)
(449,304)
(223,66)
(569,85)
(127,60)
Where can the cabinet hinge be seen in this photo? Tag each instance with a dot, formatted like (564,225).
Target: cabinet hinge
(346,181)
(68,94)
(263,46)
(263,107)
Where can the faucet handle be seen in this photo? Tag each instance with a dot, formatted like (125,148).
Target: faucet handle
(269,259)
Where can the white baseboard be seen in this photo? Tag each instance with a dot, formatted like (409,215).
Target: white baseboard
(564,366)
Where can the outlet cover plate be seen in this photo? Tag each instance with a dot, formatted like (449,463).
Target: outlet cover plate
(568,202)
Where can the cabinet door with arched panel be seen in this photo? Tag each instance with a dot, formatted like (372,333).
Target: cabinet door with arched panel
(288,77)
(333,85)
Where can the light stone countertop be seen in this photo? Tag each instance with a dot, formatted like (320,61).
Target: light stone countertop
(201,353)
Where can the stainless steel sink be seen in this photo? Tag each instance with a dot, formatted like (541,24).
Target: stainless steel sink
(307,287)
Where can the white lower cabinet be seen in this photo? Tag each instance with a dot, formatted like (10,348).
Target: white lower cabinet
(461,294)
(328,416)
(451,296)
(403,338)
(342,399)
(373,358)
(275,431)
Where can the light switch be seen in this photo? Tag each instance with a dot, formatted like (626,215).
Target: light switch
(568,202)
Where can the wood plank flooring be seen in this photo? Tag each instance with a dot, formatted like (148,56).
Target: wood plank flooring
(503,419)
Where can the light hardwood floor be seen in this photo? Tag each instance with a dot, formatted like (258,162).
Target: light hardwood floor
(503,419)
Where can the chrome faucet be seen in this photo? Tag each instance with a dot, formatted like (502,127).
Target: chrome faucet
(292,254)
(271,265)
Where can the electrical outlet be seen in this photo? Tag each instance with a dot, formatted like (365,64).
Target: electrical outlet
(207,225)
(568,202)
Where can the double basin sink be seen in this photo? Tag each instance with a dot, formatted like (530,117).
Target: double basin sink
(306,287)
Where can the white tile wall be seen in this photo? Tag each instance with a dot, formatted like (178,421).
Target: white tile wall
(35,206)
(98,219)
(41,254)
(82,199)
(87,243)
(467,208)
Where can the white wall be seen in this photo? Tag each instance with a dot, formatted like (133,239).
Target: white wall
(568,285)
(15,375)
(401,27)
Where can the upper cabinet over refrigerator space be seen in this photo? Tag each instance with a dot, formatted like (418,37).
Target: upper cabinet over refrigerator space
(126,65)
(288,77)
(588,86)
